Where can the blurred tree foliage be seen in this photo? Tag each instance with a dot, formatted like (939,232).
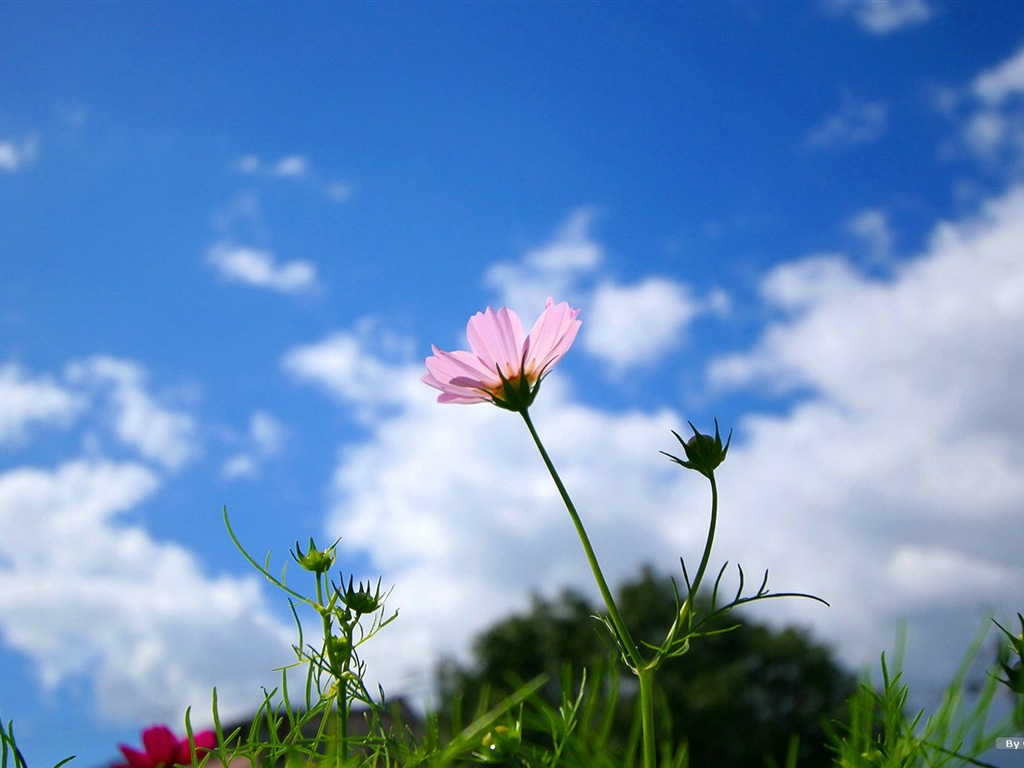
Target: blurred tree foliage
(736,698)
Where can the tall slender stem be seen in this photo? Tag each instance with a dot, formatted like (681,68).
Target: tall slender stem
(644,673)
(613,610)
(340,682)
(711,539)
(645,679)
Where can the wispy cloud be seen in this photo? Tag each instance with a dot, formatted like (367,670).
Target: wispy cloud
(260,269)
(993,127)
(342,365)
(18,155)
(871,227)
(883,17)
(33,400)
(265,438)
(626,325)
(556,268)
(296,167)
(996,85)
(289,166)
(856,122)
(161,434)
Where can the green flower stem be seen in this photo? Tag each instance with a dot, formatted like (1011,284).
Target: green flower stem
(341,714)
(684,618)
(711,538)
(645,674)
(613,610)
(645,680)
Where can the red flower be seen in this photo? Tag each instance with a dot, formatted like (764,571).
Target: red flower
(163,749)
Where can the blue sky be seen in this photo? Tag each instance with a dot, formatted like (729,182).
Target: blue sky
(229,234)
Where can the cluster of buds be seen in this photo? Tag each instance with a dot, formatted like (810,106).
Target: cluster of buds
(340,607)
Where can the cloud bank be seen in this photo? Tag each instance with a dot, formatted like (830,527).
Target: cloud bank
(890,485)
(86,592)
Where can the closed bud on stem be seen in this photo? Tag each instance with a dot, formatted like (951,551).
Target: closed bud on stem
(703,452)
(339,653)
(360,598)
(314,560)
(1014,671)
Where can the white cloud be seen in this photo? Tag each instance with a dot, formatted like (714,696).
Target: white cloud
(267,433)
(266,437)
(554,269)
(625,325)
(259,268)
(900,476)
(241,465)
(295,167)
(158,433)
(996,85)
(26,400)
(17,155)
(85,594)
(292,166)
(635,325)
(339,191)
(81,592)
(935,575)
(882,17)
(872,227)
(366,367)
(856,122)
(994,123)
(249,165)
(908,457)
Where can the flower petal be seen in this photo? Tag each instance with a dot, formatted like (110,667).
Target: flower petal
(461,374)
(551,337)
(206,740)
(160,744)
(504,367)
(497,339)
(203,740)
(135,758)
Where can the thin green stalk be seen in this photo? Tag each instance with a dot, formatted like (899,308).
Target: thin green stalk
(606,593)
(340,714)
(710,540)
(645,676)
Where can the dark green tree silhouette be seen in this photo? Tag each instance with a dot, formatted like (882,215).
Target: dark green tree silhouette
(737,698)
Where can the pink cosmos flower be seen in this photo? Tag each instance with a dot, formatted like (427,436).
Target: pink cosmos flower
(163,749)
(504,366)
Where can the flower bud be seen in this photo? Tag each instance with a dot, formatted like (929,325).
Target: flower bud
(359,598)
(1013,669)
(314,560)
(339,652)
(703,452)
